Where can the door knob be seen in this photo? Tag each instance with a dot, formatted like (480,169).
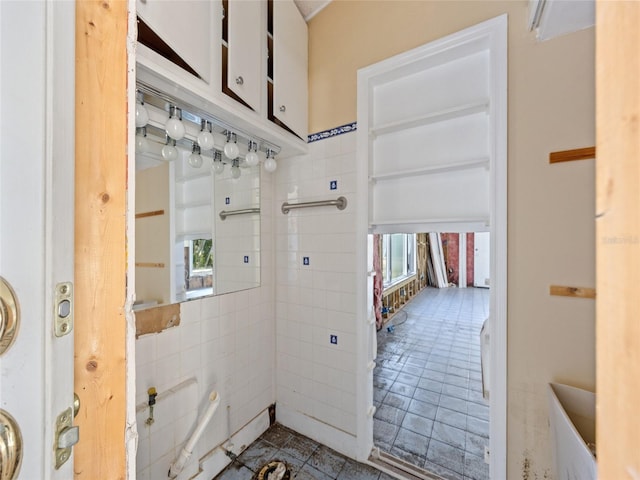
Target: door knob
(9,315)
(239,80)
(10,447)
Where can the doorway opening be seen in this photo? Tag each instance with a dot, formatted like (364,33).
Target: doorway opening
(432,157)
(431,406)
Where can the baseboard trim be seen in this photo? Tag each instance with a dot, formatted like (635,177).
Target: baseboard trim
(339,440)
(217,459)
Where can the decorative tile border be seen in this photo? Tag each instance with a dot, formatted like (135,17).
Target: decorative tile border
(349,127)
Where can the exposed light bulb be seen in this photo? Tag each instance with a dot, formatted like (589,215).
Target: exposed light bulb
(218,166)
(231,149)
(169,151)
(251,158)
(205,137)
(142,115)
(142,144)
(235,170)
(195,159)
(174,126)
(270,164)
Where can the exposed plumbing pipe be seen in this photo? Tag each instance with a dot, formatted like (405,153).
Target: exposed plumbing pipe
(179,463)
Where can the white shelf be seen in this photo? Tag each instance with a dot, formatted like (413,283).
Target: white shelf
(433,169)
(433,220)
(205,172)
(433,117)
(184,206)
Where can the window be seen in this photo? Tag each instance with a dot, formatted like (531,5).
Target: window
(198,263)
(398,257)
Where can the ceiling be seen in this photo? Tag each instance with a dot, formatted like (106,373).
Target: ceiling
(308,8)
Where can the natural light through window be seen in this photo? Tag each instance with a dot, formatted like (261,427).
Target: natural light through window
(398,257)
(199,263)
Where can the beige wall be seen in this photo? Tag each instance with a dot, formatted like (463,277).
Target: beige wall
(551,207)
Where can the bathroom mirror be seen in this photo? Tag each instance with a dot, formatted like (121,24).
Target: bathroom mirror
(197,211)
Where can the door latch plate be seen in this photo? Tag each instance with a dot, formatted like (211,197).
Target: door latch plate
(66,437)
(63,323)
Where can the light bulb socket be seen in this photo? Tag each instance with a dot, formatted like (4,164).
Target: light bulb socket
(205,138)
(218,166)
(142,144)
(174,126)
(195,159)
(270,164)
(251,158)
(231,149)
(175,112)
(205,126)
(235,169)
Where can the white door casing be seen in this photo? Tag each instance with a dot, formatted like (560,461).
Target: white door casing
(37,46)
(391,195)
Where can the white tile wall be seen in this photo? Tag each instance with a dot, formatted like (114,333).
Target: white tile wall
(226,343)
(238,236)
(314,301)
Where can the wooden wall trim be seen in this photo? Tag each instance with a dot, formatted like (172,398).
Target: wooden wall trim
(155,213)
(572,155)
(576,292)
(100,236)
(617,240)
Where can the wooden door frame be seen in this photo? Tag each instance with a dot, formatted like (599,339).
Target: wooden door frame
(100,277)
(100,237)
(617,239)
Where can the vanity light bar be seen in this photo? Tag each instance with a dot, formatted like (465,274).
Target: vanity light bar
(159,105)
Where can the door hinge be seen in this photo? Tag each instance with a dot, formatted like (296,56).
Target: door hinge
(63,314)
(66,436)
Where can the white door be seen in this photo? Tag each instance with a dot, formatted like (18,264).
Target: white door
(482,259)
(36,236)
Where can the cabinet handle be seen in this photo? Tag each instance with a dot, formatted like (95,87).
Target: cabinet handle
(283,108)
(239,80)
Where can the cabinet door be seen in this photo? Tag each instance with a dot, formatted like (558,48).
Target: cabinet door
(185,27)
(290,66)
(245,43)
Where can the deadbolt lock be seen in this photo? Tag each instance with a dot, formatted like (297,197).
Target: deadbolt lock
(11,447)
(9,315)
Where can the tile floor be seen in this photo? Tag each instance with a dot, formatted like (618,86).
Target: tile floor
(428,394)
(428,384)
(307,459)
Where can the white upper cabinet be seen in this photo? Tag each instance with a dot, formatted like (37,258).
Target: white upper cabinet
(246,46)
(184,26)
(290,52)
(243,61)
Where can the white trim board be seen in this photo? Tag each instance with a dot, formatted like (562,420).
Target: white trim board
(490,35)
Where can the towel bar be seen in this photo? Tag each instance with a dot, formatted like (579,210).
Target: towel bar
(340,202)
